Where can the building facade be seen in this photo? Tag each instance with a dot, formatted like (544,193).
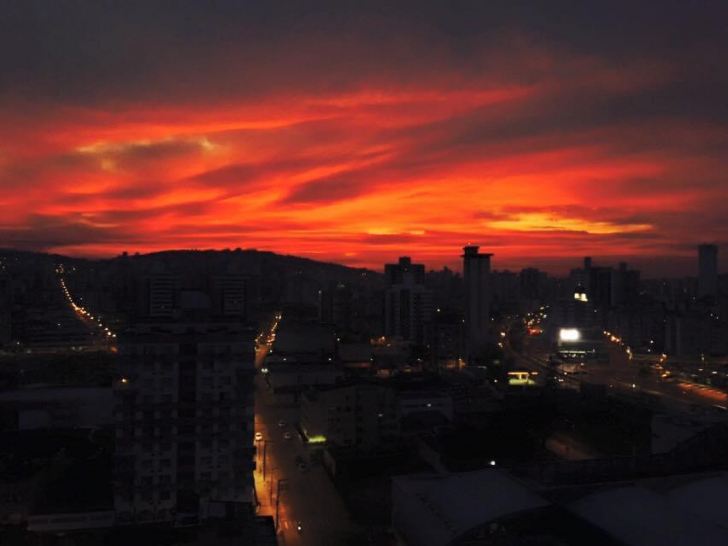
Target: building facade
(159,295)
(6,310)
(361,415)
(336,307)
(184,417)
(707,271)
(230,295)
(476,273)
(408,304)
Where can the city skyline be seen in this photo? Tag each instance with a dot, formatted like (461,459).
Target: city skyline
(413,273)
(562,269)
(541,134)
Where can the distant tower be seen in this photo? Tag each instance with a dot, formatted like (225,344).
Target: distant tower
(707,270)
(184,405)
(6,297)
(160,295)
(229,295)
(476,273)
(408,304)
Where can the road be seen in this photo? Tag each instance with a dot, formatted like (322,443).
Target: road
(306,497)
(103,337)
(624,376)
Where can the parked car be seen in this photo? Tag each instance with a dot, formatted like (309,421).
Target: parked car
(258,436)
(287,436)
(282,423)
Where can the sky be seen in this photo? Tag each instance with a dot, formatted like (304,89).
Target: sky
(356,132)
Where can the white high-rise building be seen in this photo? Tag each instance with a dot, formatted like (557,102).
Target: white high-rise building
(476,274)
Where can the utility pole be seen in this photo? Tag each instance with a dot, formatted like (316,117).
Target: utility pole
(265,455)
(270,492)
(282,486)
(270,484)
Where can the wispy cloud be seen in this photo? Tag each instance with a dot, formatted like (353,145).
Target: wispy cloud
(350,134)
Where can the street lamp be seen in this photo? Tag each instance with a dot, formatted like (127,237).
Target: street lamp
(270,485)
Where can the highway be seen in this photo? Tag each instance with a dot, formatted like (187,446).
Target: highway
(103,337)
(623,376)
(307,497)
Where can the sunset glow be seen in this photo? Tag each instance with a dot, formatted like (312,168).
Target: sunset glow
(530,147)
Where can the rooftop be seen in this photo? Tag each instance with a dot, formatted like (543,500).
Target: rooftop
(636,516)
(451,505)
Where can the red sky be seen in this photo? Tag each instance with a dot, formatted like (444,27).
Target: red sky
(358,137)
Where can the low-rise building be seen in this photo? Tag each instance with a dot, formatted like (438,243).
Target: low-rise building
(305,341)
(362,415)
(441,510)
(413,402)
(494,507)
(57,407)
(301,375)
(356,355)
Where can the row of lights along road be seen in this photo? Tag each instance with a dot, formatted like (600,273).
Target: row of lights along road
(83,313)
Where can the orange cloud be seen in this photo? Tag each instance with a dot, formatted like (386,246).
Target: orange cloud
(534,151)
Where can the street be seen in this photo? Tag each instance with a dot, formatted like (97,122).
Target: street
(103,337)
(307,497)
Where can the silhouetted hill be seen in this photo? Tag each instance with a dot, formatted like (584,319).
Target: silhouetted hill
(249,261)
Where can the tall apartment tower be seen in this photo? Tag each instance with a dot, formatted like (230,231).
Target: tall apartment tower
(707,270)
(184,413)
(408,304)
(230,295)
(5,309)
(625,285)
(476,274)
(160,291)
(336,306)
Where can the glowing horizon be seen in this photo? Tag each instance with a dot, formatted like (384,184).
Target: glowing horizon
(353,145)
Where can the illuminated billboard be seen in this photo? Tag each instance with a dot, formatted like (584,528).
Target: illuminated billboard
(569,334)
(521,378)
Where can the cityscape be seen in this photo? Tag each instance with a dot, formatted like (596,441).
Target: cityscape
(242,396)
(368,274)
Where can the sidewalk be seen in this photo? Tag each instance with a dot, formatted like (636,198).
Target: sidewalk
(265,506)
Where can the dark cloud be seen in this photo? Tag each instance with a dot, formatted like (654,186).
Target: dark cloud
(240,176)
(132,192)
(260,112)
(328,189)
(137,153)
(45,232)
(28,173)
(106,51)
